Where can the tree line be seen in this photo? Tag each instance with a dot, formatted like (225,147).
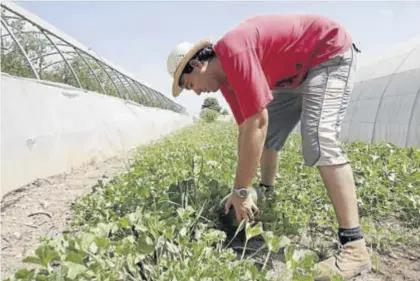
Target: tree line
(211,110)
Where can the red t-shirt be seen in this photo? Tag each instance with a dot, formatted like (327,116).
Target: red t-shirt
(265,49)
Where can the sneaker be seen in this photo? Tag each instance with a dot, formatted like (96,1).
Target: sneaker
(351,260)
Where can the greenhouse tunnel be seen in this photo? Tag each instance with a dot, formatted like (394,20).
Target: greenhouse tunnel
(385,103)
(64,105)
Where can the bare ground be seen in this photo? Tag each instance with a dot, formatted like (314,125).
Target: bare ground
(42,208)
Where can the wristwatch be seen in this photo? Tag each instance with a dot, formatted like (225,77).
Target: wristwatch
(241,192)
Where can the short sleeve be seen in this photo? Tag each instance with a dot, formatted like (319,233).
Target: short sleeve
(247,79)
(233,104)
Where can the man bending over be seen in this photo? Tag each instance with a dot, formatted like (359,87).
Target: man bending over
(274,70)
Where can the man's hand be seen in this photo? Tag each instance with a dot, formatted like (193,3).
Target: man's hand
(245,208)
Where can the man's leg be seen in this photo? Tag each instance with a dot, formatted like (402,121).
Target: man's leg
(268,167)
(327,94)
(341,189)
(283,115)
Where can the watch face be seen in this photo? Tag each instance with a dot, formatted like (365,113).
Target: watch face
(243,192)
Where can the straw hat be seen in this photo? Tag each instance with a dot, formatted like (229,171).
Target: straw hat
(178,59)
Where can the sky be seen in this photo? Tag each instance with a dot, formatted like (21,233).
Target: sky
(139,35)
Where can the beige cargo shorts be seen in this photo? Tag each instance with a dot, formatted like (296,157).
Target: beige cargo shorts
(320,103)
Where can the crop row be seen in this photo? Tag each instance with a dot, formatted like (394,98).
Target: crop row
(161,220)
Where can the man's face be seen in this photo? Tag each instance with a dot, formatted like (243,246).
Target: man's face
(201,79)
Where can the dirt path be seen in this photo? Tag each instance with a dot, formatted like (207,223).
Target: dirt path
(42,208)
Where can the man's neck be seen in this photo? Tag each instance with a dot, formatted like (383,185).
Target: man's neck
(217,70)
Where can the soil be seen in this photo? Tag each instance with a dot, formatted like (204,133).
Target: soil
(42,208)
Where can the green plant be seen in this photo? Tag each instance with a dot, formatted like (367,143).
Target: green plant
(211,103)
(160,220)
(209,115)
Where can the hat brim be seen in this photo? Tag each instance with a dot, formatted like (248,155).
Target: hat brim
(176,89)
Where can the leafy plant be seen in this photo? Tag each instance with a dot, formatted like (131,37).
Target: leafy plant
(209,115)
(161,219)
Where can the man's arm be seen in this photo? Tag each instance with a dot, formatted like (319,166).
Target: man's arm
(251,139)
(240,129)
(250,94)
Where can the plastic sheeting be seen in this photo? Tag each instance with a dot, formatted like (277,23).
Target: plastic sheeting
(385,103)
(49,128)
(80,66)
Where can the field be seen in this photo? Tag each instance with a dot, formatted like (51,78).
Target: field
(161,220)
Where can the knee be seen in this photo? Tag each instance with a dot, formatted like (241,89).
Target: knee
(311,158)
(325,157)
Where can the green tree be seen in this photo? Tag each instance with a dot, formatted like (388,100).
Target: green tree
(211,103)
(209,115)
(12,59)
(50,65)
